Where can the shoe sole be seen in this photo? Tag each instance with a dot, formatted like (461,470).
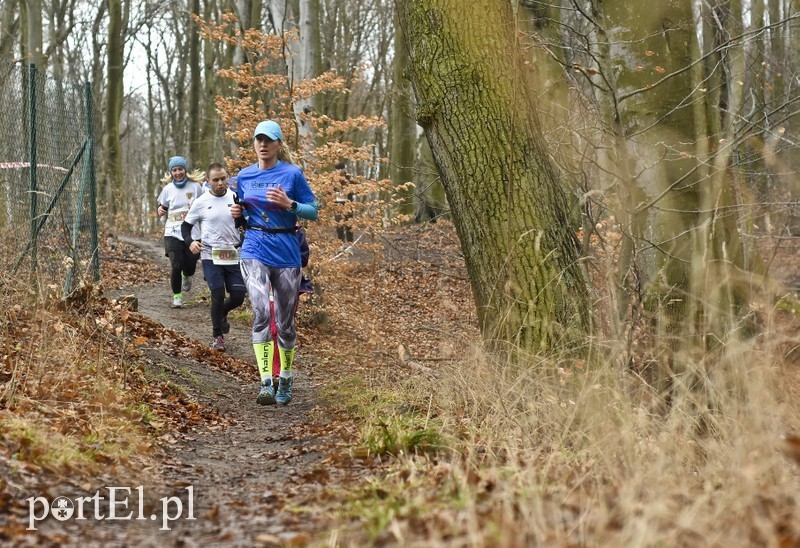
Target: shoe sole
(265,399)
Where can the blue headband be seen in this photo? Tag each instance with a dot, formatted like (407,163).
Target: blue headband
(178,161)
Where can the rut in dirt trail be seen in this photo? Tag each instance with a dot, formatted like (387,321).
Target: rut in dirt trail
(241,474)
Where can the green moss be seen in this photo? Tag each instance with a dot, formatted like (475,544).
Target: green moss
(789,303)
(31,443)
(241,315)
(393,420)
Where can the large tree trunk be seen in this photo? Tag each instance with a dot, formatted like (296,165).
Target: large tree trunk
(309,61)
(403,127)
(114,95)
(509,210)
(35,43)
(195,81)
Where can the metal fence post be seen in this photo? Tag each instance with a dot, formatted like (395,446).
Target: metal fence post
(32,184)
(87,182)
(92,181)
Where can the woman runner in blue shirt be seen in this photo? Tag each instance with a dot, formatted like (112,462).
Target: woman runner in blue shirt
(273,193)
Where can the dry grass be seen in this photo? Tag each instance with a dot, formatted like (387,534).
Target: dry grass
(604,468)
(564,452)
(64,405)
(542,451)
(74,400)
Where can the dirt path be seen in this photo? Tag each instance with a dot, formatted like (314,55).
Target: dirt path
(262,476)
(245,474)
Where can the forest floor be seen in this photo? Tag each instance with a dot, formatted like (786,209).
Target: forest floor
(260,475)
(253,475)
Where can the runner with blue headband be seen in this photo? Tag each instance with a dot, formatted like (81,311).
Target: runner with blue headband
(174,202)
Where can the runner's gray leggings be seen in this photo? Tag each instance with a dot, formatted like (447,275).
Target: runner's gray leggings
(285,283)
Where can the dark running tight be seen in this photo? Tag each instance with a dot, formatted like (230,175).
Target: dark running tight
(220,306)
(182,261)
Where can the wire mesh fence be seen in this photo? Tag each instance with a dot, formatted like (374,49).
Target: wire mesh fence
(49,216)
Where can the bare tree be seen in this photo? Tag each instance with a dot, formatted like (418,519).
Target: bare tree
(60,23)
(113,177)
(403,127)
(35,39)
(195,81)
(9,25)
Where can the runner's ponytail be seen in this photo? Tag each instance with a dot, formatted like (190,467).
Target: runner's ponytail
(285,155)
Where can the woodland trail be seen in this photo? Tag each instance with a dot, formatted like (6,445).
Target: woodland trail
(257,475)
(244,471)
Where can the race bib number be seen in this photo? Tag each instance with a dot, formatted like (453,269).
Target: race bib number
(225,255)
(177,215)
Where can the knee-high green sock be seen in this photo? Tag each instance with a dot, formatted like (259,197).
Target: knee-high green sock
(265,353)
(287,359)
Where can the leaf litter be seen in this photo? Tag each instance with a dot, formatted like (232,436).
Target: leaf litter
(152,405)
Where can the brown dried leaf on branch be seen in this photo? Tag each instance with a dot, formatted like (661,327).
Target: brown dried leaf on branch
(791,447)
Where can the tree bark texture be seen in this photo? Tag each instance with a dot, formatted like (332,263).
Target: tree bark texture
(510,212)
(195,84)
(403,127)
(113,149)
(35,33)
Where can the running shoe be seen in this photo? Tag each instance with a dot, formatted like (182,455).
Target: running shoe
(218,344)
(284,394)
(187,283)
(266,394)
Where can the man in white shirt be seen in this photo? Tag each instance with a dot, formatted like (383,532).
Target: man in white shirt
(218,247)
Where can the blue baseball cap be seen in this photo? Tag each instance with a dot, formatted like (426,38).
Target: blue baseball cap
(178,161)
(270,129)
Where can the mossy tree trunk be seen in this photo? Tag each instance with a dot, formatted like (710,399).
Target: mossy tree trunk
(403,129)
(509,210)
(113,111)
